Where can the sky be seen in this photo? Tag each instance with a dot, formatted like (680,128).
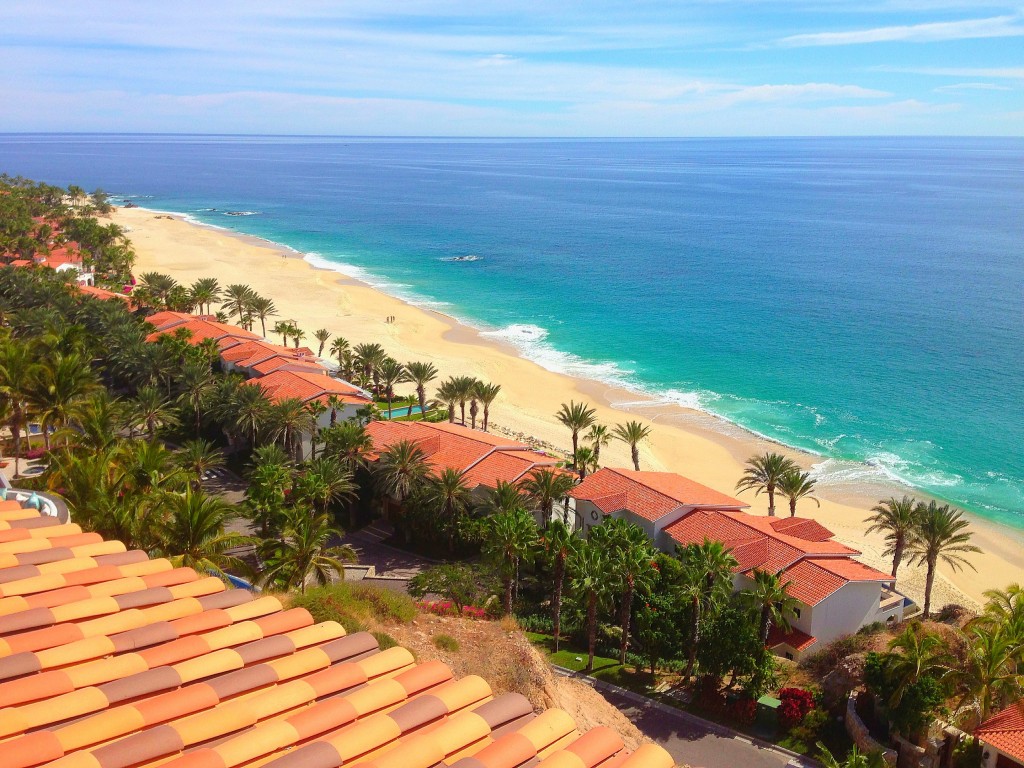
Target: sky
(514,68)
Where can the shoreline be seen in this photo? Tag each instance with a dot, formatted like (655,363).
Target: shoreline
(708,448)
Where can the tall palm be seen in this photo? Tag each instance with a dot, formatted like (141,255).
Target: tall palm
(391,373)
(707,574)
(197,457)
(284,328)
(544,487)
(321,335)
(193,534)
(598,437)
(16,373)
(630,555)
(305,553)
(401,469)
(236,299)
(586,461)
(368,357)
(98,419)
(448,393)
(270,478)
(419,374)
(915,653)
(152,409)
(897,519)
(56,386)
(770,597)
(940,534)
(990,675)
(195,385)
(323,483)
(464,388)
(632,433)
(338,348)
(510,538)
(262,307)
(1004,610)
(502,498)
(250,412)
(348,443)
(204,292)
(487,393)
(588,579)
(449,495)
(763,474)
(576,417)
(290,420)
(796,485)
(558,543)
(297,335)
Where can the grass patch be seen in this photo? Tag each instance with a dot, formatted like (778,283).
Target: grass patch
(354,606)
(605,669)
(446,643)
(384,640)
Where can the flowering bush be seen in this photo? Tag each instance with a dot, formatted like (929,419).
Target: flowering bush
(448,608)
(743,710)
(796,703)
(35,453)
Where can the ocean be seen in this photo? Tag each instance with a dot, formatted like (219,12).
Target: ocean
(862,299)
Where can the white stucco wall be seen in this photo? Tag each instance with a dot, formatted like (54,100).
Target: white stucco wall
(845,611)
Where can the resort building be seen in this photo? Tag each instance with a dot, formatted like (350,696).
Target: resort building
(199,328)
(258,358)
(837,595)
(485,458)
(1002,738)
(110,659)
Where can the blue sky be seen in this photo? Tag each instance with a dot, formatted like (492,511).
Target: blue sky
(592,68)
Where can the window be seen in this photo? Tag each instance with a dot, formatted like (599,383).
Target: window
(789,655)
(796,612)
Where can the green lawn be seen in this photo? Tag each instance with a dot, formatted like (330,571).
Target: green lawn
(605,669)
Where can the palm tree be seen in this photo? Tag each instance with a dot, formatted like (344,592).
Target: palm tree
(707,581)
(464,388)
(630,557)
(204,292)
(304,554)
(269,479)
(195,383)
(316,408)
(193,534)
(588,570)
(486,393)
(338,348)
(152,408)
(796,485)
(915,653)
(290,420)
(448,393)
(770,597)
(990,675)
(324,482)
(632,433)
(391,372)
(576,417)
(451,497)
(1004,610)
(97,421)
(197,457)
(236,298)
(584,461)
(855,758)
(763,473)
(297,335)
(897,518)
(321,335)
(284,328)
(503,497)
(349,443)
(249,411)
(510,537)
(420,374)
(940,534)
(401,469)
(598,436)
(369,357)
(545,487)
(262,307)
(56,387)
(558,543)
(16,373)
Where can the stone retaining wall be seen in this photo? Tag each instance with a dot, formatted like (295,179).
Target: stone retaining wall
(861,736)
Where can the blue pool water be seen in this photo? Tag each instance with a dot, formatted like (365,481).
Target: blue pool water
(859,298)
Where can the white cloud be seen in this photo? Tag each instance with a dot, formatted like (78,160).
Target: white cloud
(996,26)
(1009,73)
(963,87)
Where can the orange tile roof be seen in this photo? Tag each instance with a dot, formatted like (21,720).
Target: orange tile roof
(651,495)
(101,293)
(795,639)
(21,263)
(286,363)
(109,659)
(802,528)
(167,319)
(1005,731)
(306,386)
(201,330)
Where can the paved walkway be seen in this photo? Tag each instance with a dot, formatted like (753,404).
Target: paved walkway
(388,561)
(691,740)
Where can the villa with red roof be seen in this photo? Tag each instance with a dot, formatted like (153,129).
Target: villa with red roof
(486,458)
(837,595)
(200,329)
(1002,738)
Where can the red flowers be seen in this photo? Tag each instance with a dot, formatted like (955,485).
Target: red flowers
(796,703)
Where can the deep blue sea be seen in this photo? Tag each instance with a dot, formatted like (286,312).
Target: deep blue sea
(859,298)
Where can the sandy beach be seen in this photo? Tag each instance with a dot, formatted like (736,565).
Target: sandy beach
(691,443)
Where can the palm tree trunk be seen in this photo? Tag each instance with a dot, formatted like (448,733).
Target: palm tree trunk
(487,417)
(556,600)
(508,594)
(636,457)
(16,432)
(928,583)
(451,412)
(691,660)
(792,507)
(591,629)
(766,623)
(624,617)
(771,500)
(421,395)
(575,447)
(897,554)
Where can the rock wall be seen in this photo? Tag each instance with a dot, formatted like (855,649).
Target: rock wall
(861,736)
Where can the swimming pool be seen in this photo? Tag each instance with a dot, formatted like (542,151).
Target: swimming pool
(396,411)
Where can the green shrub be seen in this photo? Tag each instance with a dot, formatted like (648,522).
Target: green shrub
(874,628)
(354,606)
(384,640)
(825,660)
(447,643)
(387,605)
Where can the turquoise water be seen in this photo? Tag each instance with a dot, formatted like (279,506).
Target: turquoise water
(858,298)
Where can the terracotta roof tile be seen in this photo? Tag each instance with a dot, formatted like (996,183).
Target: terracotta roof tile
(651,495)
(795,639)
(1005,731)
(306,386)
(802,528)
